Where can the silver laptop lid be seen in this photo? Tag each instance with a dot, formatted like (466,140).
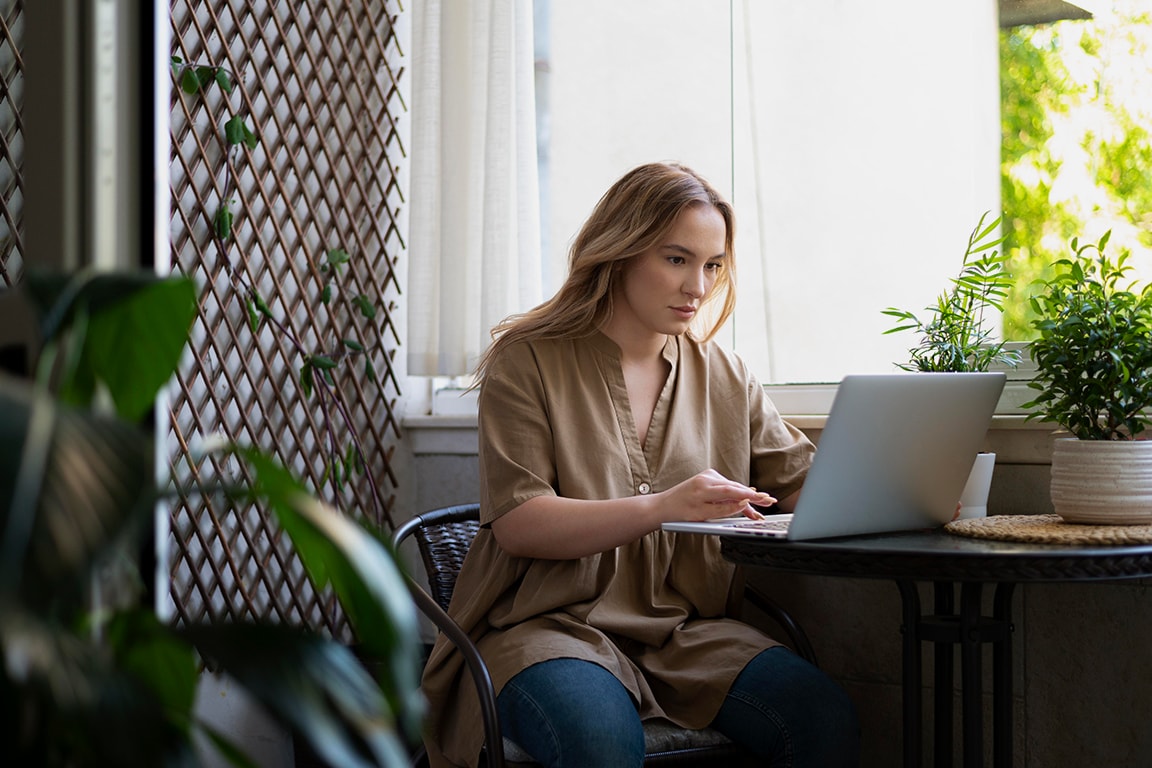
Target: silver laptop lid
(895,452)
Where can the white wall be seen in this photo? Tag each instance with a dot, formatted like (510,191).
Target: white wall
(859,142)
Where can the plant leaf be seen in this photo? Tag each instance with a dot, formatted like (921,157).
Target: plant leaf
(189,83)
(156,321)
(359,567)
(235,132)
(317,687)
(222,221)
(71,484)
(365,305)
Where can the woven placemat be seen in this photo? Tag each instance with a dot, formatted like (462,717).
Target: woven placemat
(1048,529)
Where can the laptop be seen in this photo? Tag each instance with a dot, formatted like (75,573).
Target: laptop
(894,455)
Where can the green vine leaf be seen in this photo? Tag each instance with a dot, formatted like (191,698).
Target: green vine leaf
(253,315)
(326,294)
(353,345)
(205,75)
(349,459)
(337,257)
(189,83)
(236,132)
(323,362)
(261,304)
(223,80)
(222,222)
(365,305)
(306,380)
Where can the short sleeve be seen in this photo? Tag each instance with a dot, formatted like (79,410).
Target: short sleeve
(781,454)
(517,454)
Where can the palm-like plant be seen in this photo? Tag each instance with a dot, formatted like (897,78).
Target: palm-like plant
(954,336)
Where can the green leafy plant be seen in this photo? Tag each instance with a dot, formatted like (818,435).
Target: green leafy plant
(343,451)
(1093,352)
(90,675)
(954,336)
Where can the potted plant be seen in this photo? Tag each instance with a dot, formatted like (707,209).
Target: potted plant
(1093,359)
(955,337)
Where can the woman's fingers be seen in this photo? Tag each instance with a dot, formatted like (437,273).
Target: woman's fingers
(709,495)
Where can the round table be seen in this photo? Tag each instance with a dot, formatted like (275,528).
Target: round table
(950,563)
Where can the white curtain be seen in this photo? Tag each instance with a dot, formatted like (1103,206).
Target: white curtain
(474,226)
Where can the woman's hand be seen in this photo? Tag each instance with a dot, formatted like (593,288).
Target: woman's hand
(709,495)
(555,527)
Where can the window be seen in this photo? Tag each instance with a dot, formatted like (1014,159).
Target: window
(859,143)
(859,146)
(1077,151)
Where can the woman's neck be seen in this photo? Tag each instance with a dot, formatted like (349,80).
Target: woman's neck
(636,348)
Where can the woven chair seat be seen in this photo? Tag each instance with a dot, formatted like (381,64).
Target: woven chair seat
(660,738)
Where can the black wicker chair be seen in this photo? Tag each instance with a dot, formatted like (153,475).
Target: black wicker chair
(443,537)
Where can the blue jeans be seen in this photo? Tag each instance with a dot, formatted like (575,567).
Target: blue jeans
(569,713)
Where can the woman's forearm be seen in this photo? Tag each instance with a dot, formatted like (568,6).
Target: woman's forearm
(558,528)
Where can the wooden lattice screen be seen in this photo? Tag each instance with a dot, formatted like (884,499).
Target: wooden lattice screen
(316,88)
(11,144)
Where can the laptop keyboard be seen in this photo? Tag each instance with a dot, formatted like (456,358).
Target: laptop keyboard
(767,526)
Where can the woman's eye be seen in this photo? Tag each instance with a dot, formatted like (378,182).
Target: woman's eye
(677,260)
(714,266)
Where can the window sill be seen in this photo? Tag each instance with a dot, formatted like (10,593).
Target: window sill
(452,430)
(804,401)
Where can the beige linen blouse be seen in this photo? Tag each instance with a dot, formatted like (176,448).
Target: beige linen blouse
(555,419)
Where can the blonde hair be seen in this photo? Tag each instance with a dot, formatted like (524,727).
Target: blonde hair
(632,217)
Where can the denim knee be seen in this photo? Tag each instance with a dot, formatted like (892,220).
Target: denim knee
(790,713)
(571,713)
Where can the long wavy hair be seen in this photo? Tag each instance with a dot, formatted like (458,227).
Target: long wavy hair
(633,216)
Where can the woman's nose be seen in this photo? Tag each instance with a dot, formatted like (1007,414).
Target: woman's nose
(695,284)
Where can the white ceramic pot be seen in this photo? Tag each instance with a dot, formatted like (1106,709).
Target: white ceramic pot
(1103,482)
(974,498)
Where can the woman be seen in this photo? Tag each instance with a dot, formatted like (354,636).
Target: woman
(602,415)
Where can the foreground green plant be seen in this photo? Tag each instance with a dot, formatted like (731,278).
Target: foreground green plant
(90,675)
(955,336)
(1093,352)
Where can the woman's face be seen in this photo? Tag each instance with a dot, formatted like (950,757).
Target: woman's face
(664,287)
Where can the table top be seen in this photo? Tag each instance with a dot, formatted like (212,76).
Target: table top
(939,555)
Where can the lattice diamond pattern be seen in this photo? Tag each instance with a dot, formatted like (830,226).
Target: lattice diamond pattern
(11,144)
(317,81)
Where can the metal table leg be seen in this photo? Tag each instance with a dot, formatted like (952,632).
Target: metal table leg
(942,668)
(971,638)
(910,598)
(1002,678)
(970,629)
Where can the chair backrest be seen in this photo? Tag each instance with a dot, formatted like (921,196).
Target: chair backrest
(443,537)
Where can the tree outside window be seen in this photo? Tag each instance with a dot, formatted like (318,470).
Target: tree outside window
(1077,142)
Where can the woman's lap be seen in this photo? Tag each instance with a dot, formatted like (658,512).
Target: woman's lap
(571,712)
(789,712)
